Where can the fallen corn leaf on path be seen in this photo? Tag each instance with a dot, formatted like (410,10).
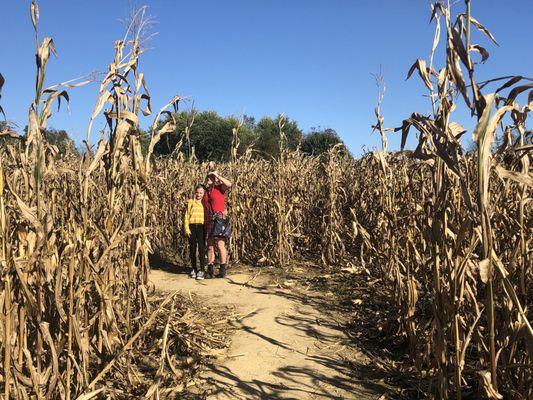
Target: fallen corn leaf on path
(283,347)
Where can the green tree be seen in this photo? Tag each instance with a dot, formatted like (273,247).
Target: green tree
(319,141)
(267,136)
(210,136)
(61,140)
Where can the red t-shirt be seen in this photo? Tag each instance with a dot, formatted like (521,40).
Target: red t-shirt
(215,199)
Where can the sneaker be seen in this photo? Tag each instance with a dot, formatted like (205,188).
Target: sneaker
(200,275)
(210,272)
(222,272)
(193,274)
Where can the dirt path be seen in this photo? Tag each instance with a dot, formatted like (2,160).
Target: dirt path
(283,349)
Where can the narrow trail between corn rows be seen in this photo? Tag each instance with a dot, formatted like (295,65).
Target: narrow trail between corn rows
(283,348)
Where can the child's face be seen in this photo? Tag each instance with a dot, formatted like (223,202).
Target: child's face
(199,193)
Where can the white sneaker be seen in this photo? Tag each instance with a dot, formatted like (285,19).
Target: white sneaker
(200,275)
(193,274)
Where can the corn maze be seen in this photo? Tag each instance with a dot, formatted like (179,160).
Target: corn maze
(448,232)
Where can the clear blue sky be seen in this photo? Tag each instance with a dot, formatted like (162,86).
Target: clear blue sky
(310,59)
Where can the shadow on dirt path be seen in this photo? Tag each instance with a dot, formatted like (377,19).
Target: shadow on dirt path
(283,347)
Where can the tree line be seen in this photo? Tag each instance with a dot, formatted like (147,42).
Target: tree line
(208,136)
(56,137)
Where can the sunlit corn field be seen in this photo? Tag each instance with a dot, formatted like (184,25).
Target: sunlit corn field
(447,233)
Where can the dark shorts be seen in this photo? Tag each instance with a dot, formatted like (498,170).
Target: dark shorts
(210,227)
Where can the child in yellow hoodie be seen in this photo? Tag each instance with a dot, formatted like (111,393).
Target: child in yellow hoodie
(194,230)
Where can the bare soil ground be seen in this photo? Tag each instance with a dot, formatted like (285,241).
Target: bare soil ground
(288,344)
